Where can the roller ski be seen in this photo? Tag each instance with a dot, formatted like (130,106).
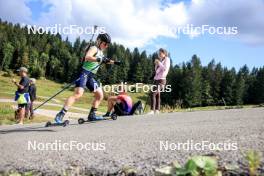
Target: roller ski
(92,117)
(58,121)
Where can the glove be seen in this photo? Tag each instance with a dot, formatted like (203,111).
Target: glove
(104,60)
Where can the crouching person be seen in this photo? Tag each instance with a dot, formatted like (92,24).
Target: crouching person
(22,95)
(120,105)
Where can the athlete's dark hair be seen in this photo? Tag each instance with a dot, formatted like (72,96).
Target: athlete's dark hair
(104,38)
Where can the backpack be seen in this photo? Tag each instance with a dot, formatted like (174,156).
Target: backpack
(137,108)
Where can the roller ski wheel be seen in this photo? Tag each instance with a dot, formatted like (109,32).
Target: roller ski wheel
(113,116)
(81,121)
(48,124)
(64,124)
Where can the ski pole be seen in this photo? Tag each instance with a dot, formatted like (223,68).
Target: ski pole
(90,42)
(91,39)
(66,87)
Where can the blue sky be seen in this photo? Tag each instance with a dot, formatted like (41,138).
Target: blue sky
(37,8)
(131,23)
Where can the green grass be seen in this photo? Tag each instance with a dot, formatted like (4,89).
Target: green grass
(7,116)
(209,166)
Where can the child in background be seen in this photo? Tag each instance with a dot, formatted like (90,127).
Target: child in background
(33,97)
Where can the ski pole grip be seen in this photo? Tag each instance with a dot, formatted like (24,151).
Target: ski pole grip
(117,62)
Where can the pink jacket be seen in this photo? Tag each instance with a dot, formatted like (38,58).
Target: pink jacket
(162,69)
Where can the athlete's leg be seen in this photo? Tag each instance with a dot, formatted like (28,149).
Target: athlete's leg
(111,101)
(98,97)
(78,92)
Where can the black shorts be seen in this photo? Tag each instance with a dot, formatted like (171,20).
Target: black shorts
(119,110)
(22,106)
(86,79)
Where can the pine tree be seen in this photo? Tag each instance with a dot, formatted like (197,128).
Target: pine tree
(259,87)
(227,85)
(215,73)
(196,72)
(207,98)
(8,50)
(238,90)
(135,67)
(77,47)
(25,59)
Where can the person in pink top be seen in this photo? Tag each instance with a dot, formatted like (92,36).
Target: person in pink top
(162,66)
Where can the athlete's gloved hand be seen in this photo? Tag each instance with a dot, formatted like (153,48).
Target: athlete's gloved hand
(117,63)
(104,60)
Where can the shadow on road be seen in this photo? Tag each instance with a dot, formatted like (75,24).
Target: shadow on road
(48,129)
(27,129)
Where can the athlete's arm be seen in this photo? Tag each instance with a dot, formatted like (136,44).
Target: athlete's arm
(90,55)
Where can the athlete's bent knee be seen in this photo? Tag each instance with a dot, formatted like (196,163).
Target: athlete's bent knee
(99,95)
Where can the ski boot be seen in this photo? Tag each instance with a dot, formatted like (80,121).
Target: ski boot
(59,117)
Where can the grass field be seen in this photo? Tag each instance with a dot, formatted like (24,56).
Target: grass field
(7,116)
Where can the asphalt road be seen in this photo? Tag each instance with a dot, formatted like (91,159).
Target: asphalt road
(138,141)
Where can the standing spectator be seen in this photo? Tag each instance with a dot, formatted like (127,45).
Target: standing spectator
(162,66)
(22,95)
